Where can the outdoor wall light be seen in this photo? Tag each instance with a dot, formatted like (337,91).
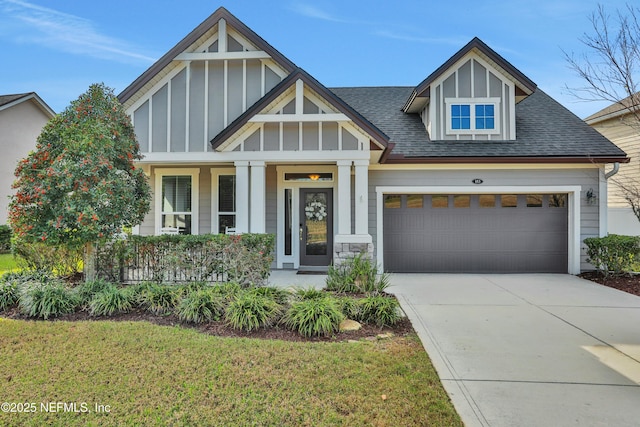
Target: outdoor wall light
(591,197)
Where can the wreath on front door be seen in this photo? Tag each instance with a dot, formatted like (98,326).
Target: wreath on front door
(315,211)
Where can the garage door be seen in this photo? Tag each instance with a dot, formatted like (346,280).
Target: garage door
(479,233)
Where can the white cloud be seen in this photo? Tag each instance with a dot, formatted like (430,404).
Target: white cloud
(47,27)
(313,12)
(458,41)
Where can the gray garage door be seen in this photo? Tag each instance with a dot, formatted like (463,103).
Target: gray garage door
(508,233)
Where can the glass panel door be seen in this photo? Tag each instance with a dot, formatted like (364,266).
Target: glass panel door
(316,227)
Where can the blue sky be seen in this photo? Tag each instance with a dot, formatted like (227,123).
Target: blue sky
(58,48)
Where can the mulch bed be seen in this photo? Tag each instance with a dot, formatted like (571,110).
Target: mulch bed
(626,283)
(221,329)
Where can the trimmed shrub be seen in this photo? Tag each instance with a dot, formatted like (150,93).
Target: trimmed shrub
(314,316)
(250,310)
(5,239)
(111,300)
(613,254)
(358,274)
(158,299)
(47,299)
(245,259)
(381,310)
(200,306)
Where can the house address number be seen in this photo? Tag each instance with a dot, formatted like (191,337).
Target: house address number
(477,181)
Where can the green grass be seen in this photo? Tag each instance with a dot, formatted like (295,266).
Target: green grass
(7,263)
(159,375)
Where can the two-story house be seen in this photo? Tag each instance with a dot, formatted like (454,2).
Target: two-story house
(22,117)
(475,169)
(620,126)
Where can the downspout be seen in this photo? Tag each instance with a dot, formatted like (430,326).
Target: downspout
(604,208)
(615,170)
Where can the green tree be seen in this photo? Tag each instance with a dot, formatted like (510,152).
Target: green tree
(80,185)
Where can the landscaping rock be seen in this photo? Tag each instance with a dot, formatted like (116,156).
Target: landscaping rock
(383,336)
(349,325)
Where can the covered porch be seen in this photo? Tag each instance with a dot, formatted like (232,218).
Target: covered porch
(318,211)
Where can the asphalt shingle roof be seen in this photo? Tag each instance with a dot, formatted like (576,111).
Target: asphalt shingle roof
(5,99)
(544,128)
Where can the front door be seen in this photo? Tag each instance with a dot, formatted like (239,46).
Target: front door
(316,226)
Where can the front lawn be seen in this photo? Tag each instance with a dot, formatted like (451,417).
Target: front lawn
(7,263)
(137,373)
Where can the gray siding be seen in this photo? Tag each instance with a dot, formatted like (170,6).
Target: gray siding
(297,136)
(196,107)
(254,81)
(159,116)
(178,111)
(480,80)
(234,90)
(329,136)
(141,120)
(586,178)
(349,142)
(214,93)
(271,137)
(216,99)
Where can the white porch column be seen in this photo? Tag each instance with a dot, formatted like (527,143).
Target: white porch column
(258,188)
(362,196)
(242,196)
(344,197)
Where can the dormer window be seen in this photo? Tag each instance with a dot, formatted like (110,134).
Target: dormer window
(472,115)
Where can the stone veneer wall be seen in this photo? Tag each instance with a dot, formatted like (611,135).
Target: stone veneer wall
(343,251)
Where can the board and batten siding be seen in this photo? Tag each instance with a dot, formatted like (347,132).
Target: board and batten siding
(473,78)
(585,178)
(198,99)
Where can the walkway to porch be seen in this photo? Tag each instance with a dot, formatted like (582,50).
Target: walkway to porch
(288,278)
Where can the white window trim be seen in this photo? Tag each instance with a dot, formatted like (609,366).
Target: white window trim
(573,191)
(215,215)
(194,173)
(473,102)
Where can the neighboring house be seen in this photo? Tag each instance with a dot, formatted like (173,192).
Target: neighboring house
(22,118)
(623,129)
(473,170)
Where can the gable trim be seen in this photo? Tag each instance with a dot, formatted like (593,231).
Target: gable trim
(523,82)
(300,75)
(277,118)
(192,37)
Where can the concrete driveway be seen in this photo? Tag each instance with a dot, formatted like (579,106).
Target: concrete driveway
(529,350)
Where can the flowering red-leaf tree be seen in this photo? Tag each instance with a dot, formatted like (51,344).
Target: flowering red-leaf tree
(80,185)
